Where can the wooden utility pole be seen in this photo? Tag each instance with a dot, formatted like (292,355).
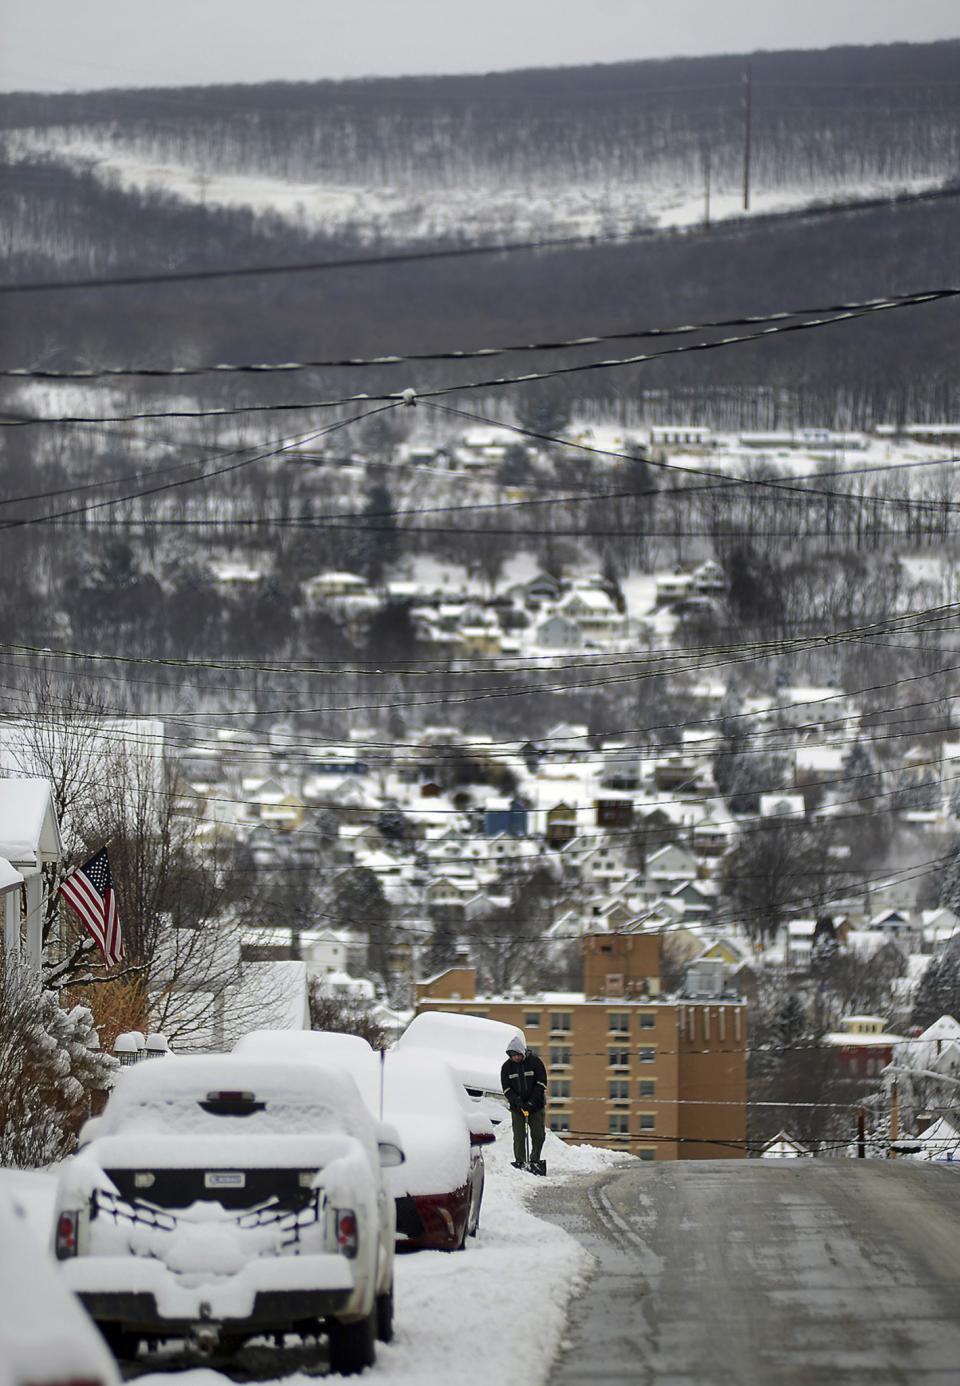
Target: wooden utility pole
(747,132)
(861,1135)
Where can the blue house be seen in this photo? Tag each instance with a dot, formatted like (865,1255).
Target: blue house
(507,816)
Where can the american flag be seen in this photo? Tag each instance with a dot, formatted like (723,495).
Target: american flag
(89,891)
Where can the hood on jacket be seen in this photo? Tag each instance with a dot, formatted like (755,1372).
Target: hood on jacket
(517,1044)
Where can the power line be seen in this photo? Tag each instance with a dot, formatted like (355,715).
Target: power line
(731,918)
(745,824)
(313,745)
(274,450)
(457,252)
(724,654)
(394,359)
(413,396)
(723,483)
(869,532)
(325,266)
(722,479)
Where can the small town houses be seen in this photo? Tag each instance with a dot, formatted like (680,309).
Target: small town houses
(621,837)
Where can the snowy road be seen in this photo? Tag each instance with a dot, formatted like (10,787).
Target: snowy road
(765,1274)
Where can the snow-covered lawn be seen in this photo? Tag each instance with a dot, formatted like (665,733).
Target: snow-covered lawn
(497,1310)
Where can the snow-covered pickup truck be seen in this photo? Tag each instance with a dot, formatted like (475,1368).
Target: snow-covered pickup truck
(219,1198)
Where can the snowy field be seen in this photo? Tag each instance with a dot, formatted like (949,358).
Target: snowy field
(414,213)
(499,1309)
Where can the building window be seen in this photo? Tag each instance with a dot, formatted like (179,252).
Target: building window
(560,1121)
(648,1087)
(618,1090)
(648,1056)
(647,1020)
(618,1058)
(618,1124)
(648,1121)
(531,1020)
(560,1090)
(560,1057)
(560,1021)
(646,1154)
(618,1022)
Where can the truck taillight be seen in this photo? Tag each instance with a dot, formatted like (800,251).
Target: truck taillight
(66,1245)
(347,1231)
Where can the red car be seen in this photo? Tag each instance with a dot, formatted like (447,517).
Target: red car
(440,1187)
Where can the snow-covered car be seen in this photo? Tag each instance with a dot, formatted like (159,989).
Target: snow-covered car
(473,1046)
(443,1134)
(221,1198)
(440,1187)
(46,1339)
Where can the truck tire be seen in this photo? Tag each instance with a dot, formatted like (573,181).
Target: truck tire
(385,1316)
(353,1346)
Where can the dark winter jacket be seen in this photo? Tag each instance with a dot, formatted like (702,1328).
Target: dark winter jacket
(525,1083)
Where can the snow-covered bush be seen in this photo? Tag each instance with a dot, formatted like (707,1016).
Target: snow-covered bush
(50,1065)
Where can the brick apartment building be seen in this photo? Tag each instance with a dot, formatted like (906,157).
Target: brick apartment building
(630,1069)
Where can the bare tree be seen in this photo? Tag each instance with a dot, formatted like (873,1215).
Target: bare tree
(182,905)
(344,1015)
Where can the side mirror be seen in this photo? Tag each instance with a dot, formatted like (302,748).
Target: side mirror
(389,1145)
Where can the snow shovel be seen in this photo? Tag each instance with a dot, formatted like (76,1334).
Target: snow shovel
(531,1166)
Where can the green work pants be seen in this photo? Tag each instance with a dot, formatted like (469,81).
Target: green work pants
(535,1120)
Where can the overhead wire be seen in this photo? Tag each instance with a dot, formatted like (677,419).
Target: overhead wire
(720,482)
(403,397)
(744,823)
(274,450)
(402,257)
(310,742)
(394,359)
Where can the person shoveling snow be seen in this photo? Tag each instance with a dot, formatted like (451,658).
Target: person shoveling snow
(524,1082)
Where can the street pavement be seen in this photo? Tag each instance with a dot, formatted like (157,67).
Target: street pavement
(765,1272)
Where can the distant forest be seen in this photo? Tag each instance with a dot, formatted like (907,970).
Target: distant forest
(823,118)
(827,117)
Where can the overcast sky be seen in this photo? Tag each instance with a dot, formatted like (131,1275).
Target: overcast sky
(55,45)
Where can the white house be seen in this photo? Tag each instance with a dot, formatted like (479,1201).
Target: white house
(783,1146)
(782,806)
(326,586)
(559,632)
(29,840)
